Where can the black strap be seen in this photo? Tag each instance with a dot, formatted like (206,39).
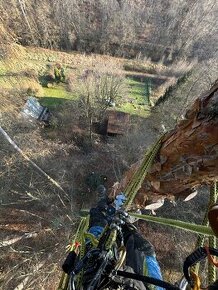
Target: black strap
(147,280)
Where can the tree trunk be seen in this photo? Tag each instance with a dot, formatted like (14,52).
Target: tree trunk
(188,156)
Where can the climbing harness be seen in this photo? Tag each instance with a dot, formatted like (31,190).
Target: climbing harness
(109,253)
(100,265)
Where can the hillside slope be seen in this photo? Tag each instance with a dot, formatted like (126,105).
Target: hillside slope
(37,219)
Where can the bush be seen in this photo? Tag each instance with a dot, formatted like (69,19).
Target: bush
(171,88)
(139,67)
(53,74)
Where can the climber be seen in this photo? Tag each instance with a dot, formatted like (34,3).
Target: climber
(114,251)
(116,256)
(140,254)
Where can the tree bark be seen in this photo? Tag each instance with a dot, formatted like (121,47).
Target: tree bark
(188,156)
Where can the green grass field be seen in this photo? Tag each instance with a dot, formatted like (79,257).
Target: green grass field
(56,95)
(23,73)
(136,102)
(137,90)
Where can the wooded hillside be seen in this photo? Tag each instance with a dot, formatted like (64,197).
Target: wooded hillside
(160,30)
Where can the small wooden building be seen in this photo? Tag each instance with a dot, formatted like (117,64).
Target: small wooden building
(118,122)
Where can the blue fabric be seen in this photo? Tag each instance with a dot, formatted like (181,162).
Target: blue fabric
(153,269)
(96,231)
(119,200)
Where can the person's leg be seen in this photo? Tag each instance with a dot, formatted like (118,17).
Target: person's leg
(141,257)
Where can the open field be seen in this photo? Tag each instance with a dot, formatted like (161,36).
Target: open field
(26,67)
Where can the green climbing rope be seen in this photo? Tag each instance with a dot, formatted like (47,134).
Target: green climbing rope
(212,240)
(200,240)
(81,240)
(138,177)
(79,237)
(198,229)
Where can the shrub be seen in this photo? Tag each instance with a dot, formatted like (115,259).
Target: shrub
(138,66)
(53,74)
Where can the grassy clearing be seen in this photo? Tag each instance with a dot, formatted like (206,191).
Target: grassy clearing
(56,95)
(137,90)
(22,72)
(138,110)
(136,102)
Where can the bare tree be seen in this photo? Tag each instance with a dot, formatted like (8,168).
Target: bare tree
(161,30)
(98,90)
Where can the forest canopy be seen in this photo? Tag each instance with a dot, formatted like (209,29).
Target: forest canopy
(160,30)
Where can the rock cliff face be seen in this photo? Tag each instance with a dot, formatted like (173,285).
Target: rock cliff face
(188,156)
